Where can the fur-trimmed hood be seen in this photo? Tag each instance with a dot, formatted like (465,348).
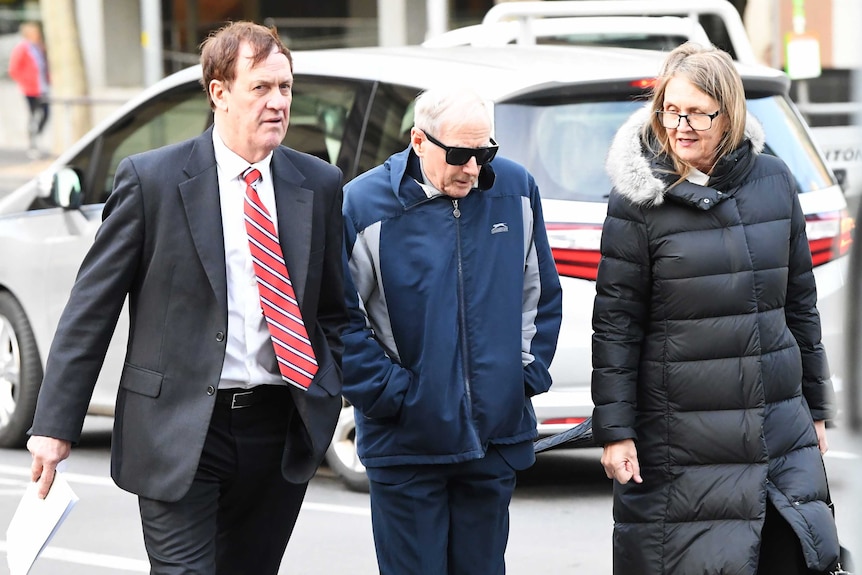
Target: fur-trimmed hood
(630,169)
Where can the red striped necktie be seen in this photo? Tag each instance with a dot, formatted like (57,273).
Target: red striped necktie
(296,360)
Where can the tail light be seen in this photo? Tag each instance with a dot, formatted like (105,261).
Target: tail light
(576,249)
(564,421)
(830,235)
(576,246)
(644,83)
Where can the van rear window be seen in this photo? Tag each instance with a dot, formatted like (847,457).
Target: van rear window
(564,143)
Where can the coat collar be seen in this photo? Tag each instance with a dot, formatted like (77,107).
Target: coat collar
(632,169)
(405,173)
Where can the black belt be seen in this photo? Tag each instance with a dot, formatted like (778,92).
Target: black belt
(237,398)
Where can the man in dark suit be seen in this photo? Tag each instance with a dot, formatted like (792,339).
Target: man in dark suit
(212,430)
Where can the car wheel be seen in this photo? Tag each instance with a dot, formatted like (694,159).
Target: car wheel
(341,455)
(20,373)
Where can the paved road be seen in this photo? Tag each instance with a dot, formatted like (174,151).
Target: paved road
(561,516)
(561,521)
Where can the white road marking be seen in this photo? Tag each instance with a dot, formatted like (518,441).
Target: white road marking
(91,559)
(70,477)
(138,566)
(343,509)
(125,563)
(16,482)
(841,454)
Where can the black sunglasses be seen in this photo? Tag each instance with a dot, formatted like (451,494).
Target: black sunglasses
(456,156)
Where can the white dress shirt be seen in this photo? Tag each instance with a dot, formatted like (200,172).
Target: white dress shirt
(249,358)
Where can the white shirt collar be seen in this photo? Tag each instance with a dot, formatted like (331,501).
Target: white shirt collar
(695,176)
(425,184)
(232,164)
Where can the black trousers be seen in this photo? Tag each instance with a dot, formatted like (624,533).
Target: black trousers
(780,549)
(240,511)
(38,116)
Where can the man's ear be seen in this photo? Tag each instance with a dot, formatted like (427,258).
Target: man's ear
(417,137)
(218,93)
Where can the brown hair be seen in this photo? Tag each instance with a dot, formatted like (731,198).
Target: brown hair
(220,51)
(712,71)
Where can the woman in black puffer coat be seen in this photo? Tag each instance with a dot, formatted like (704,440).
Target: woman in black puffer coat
(710,382)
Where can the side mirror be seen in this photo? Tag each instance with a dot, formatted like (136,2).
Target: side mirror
(66,189)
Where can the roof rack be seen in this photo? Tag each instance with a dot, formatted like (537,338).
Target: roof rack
(526,12)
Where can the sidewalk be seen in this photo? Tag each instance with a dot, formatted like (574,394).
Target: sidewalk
(15,167)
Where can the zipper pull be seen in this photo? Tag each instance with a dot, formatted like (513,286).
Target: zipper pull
(456,212)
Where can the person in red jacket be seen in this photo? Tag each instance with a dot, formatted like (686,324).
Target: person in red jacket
(28,66)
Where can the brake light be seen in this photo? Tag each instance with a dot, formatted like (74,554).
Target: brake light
(576,249)
(576,246)
(830,235)
(564,421)
(643,84)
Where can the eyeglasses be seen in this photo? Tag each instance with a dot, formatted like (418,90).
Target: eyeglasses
(456,156)
(697,122)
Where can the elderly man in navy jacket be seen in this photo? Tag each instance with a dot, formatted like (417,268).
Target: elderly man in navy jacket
(455,311)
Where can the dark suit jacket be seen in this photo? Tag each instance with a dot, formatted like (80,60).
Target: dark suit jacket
(161,242)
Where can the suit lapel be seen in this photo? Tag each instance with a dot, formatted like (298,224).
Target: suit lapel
(293,205)
(200,196)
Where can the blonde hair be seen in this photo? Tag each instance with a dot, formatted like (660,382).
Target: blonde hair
(711,71)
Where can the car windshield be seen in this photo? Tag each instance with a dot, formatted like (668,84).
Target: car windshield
(564,143)
(664,42)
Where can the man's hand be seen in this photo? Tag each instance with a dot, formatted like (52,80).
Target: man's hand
(47,453)
(820,428)
(620,460)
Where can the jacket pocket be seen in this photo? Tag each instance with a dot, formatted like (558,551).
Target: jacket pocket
(142,381)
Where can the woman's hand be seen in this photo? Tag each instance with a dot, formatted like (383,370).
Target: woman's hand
(620,460)
(820,428)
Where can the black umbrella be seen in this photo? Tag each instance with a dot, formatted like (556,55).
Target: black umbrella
(580,435)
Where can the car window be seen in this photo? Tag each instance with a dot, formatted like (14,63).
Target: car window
(787,138)
(318,115)
(388,125)
(662,42)
(170,117)
(564,144)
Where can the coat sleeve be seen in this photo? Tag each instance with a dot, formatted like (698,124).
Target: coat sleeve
(803,319)
(374,381)
(620,314)
(542,304)
(88,321)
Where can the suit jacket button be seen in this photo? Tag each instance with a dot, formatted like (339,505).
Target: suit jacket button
(210,390)
(220,336)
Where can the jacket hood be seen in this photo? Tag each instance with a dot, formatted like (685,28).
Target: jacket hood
(631,167)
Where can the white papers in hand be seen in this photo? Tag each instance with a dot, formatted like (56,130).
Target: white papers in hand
(35,522)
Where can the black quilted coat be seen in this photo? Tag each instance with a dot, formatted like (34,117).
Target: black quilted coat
(706,351)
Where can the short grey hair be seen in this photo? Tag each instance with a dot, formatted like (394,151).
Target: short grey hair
(438,106)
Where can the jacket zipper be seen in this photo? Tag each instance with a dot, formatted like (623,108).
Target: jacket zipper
(462,320)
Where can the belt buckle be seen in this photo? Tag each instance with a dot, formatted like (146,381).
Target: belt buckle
(233,404)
